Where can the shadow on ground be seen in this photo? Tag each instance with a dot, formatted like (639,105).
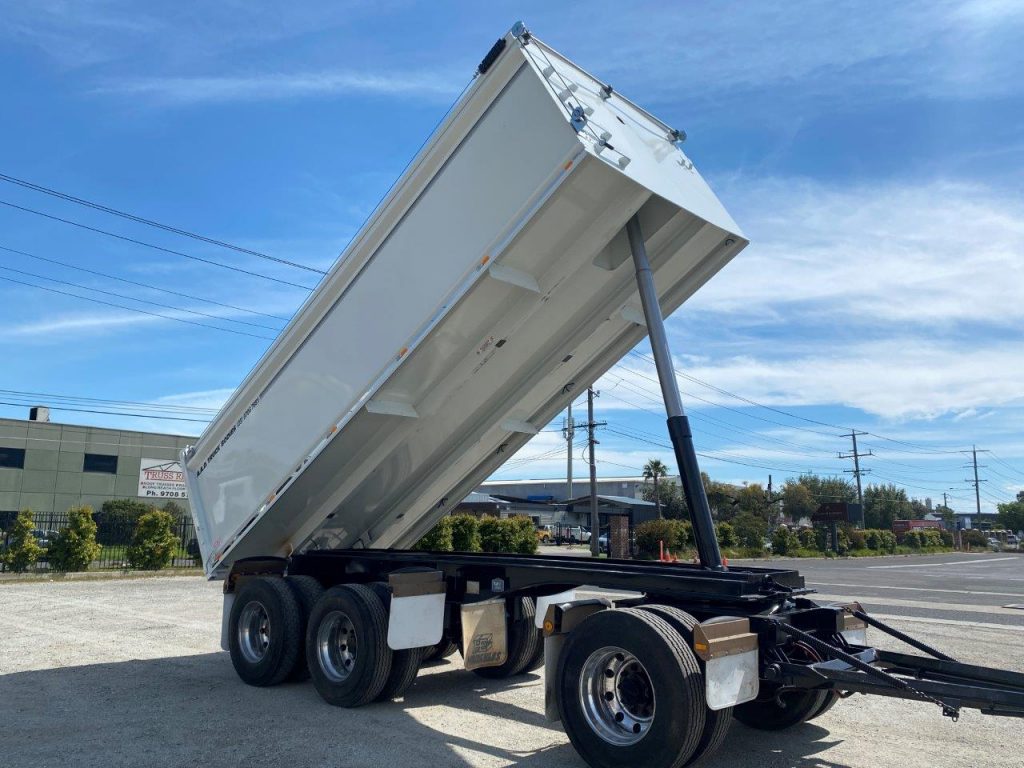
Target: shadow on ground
(193,711)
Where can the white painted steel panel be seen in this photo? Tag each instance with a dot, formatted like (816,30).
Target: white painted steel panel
(415,621)
(490,286)
(731,680)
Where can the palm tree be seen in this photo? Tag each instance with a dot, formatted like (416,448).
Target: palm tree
(655,469)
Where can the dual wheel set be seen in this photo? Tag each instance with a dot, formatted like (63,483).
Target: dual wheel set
(629,689)
(291,629)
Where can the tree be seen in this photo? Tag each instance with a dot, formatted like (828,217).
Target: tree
(751,530)
(655,468)
(75,547)
(1011,514)
(22,548)
(883,504)
(826,489)
(721,497)
(673,505)
(153,541)
(797,501)
(753,499)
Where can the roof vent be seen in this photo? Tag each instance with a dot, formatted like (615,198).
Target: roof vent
(38,413)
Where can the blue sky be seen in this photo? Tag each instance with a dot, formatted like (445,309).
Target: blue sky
(871,151)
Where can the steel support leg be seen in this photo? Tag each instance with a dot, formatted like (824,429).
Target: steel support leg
(678,424)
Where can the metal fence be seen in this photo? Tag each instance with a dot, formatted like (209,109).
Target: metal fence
(113,534)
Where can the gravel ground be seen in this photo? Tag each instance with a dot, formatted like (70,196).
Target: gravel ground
(129,673)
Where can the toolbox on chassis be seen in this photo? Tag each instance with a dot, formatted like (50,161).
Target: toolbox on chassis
(540,233)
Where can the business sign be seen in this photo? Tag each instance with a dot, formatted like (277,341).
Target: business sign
(162,479)
(836,512)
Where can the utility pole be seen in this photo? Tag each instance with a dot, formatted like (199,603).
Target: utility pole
(976,482)
(595,520)
(857,471)
(569,430)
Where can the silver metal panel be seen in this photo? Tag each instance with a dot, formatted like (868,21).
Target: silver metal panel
(498,286)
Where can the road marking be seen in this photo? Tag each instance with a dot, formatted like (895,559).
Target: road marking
(895,602)
(916,589)
(950,622)
(939,565)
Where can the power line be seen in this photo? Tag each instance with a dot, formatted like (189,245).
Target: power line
(130,403)
(135,309)
(151,223)
(118,413)
(155,247)
(694,379)
(141,301)
(138,284)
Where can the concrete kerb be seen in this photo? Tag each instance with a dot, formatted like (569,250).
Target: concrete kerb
(21,578)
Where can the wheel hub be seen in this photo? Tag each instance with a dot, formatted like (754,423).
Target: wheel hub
(254,632)
(337,646)
(616,696)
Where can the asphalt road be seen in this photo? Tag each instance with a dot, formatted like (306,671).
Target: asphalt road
(129,673)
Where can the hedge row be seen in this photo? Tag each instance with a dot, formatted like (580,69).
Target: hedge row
(75,546)
(468,533)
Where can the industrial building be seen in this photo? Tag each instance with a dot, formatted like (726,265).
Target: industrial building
(49,467)
(556,490)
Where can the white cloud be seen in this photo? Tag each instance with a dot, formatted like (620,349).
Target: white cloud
(938,252)
(278,86)
(209,398)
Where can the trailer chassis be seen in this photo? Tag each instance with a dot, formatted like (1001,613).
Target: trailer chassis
(701,642)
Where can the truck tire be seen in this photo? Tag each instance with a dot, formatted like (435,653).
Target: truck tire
(307,591)
(716,722)
(778,710)
(629,691)
(265,636)
(441,650)
(405,663)
(523,639)
(346,646)
(830,701)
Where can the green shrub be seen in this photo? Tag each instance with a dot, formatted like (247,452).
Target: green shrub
(508,534)
(726,535)
(842,541)
(912,539)
(887,541)
(857,538)
(438,538)
(785,541)
(973,538)
(808,538)
(23,551)
(116,520)
(872,540)
(674,533)
(75,545)
(153,542)
(947,537)
(524,535)
(931,537)
(466,533)
(751,531)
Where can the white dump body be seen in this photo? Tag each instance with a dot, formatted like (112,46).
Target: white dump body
(492,285)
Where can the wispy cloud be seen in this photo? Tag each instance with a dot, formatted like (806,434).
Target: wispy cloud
(931,253)
(176,91)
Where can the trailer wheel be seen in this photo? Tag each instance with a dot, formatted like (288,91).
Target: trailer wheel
(717,722)
(265,636)
(307,591)
(778,710)
(346,645)
(830,701)
(405,663)
(629,691)
(523,639)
